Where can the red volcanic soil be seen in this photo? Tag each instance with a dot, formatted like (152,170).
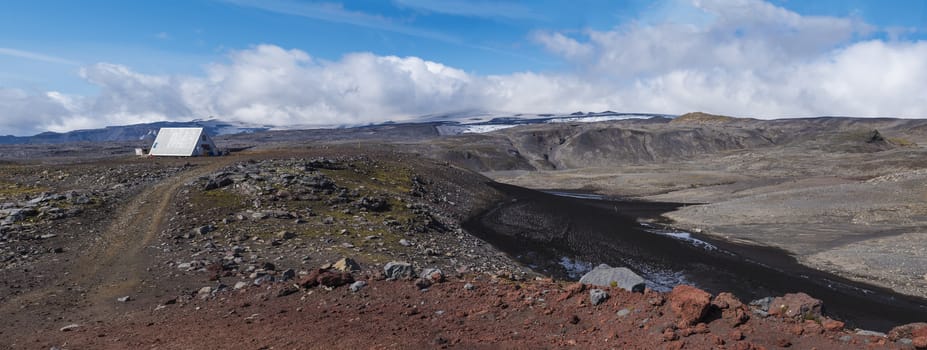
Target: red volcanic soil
(466,312)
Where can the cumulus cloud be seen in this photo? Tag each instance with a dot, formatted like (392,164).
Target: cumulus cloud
(739,34)
(749,58)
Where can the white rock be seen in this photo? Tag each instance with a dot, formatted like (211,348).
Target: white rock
(607,276)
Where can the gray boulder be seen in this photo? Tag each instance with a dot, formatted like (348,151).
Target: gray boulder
(607,276)
(597,296)
(202,230)
(357,286)
(433,275)
(396,270)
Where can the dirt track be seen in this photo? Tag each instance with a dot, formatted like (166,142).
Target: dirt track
(116,266)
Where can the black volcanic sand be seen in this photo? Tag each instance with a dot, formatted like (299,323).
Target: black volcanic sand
(539,229)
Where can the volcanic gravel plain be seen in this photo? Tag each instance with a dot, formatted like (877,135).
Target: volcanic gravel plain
(295,239)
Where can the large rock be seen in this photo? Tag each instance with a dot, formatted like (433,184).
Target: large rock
(396,270)
(732,309)
(689,303)
(286,234)
(796,306)
(218,183)
(346,265)
(433,275)
(325,278)
(607,276)
(910,331)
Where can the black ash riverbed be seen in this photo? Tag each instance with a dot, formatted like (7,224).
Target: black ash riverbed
(564,234)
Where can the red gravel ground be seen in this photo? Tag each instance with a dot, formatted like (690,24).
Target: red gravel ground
(496,313)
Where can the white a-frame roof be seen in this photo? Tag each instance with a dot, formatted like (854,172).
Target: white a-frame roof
(183,142)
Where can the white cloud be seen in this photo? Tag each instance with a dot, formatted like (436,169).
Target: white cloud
(749,59)
(35,56)
(739,34)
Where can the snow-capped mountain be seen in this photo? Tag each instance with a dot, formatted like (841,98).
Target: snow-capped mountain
(481,121)
(136,132)
(447,124)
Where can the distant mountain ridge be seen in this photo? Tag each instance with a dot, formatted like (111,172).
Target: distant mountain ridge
(473,121)
(135,132)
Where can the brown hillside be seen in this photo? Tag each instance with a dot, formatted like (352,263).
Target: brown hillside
(702,118)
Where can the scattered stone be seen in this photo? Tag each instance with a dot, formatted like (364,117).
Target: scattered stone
(623,312)
(69,327)
(240,285)
(346,265)
(325,278)
(875,137)
(832,325)
(761,304)
(204,291)
(286,235)
(571,290)
(287,291)
(422,283)
(812,327)
(287,275)
(433,275)
(866,333)
(689,303)
(796,306)
(334,279)
(263,279)
(404,242)
(574,319)
(357,286)
(202,230)
(607,276)
(124,299)
(597,296)
(469,286)
(731,308)
(396,270)
(910,330)
(218,183)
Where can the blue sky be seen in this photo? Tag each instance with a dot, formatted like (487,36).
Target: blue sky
(58,46)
